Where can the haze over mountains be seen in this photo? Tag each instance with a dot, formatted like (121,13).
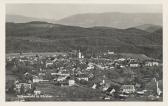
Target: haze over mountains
(109,19)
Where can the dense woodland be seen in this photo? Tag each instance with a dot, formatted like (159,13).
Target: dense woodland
(46,37)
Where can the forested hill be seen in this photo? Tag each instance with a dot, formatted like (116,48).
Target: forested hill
(39,36)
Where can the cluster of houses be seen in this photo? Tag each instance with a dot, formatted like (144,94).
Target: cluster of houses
(134,63)
(67,71)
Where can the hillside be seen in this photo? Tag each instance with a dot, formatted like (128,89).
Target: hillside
(46,37)
(148,27)
(112,19)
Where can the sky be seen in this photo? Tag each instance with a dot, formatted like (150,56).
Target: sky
(58,11)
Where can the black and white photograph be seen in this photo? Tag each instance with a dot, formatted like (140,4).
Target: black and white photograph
(83,52)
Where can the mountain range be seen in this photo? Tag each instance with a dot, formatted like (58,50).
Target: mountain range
(108,19)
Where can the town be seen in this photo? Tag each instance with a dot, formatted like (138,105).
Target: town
(107,76)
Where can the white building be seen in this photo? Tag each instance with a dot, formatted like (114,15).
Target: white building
(83,78)
(94,86)
(37,79)
(48,64)
(134,64)
(110,52)
(152,63)
(112,91)
(71,82)
(90,66)
(37,92)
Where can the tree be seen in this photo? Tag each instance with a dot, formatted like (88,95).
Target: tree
(48,76)
(22,89)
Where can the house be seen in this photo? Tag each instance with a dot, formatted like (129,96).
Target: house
(82,56)
(90,66)
(131,60)
(37,79)
(112,91)
(60,74)
(151,63)
(91,75)
(37,92)
(26,87)
(42,74)
(110,53)
(105,85)
(122,66)
(137,85)
(116,64)
(121,59)
(94,86)
(49,63)
(23,60)
(134,64)
(62,78)
(105,88)
(82,77)
(63,83)
(71,82)
(127,88)
(26,74)
(140,92)
(55,60)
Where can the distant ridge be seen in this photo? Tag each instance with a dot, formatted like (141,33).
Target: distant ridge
(112,19)
(24,19)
